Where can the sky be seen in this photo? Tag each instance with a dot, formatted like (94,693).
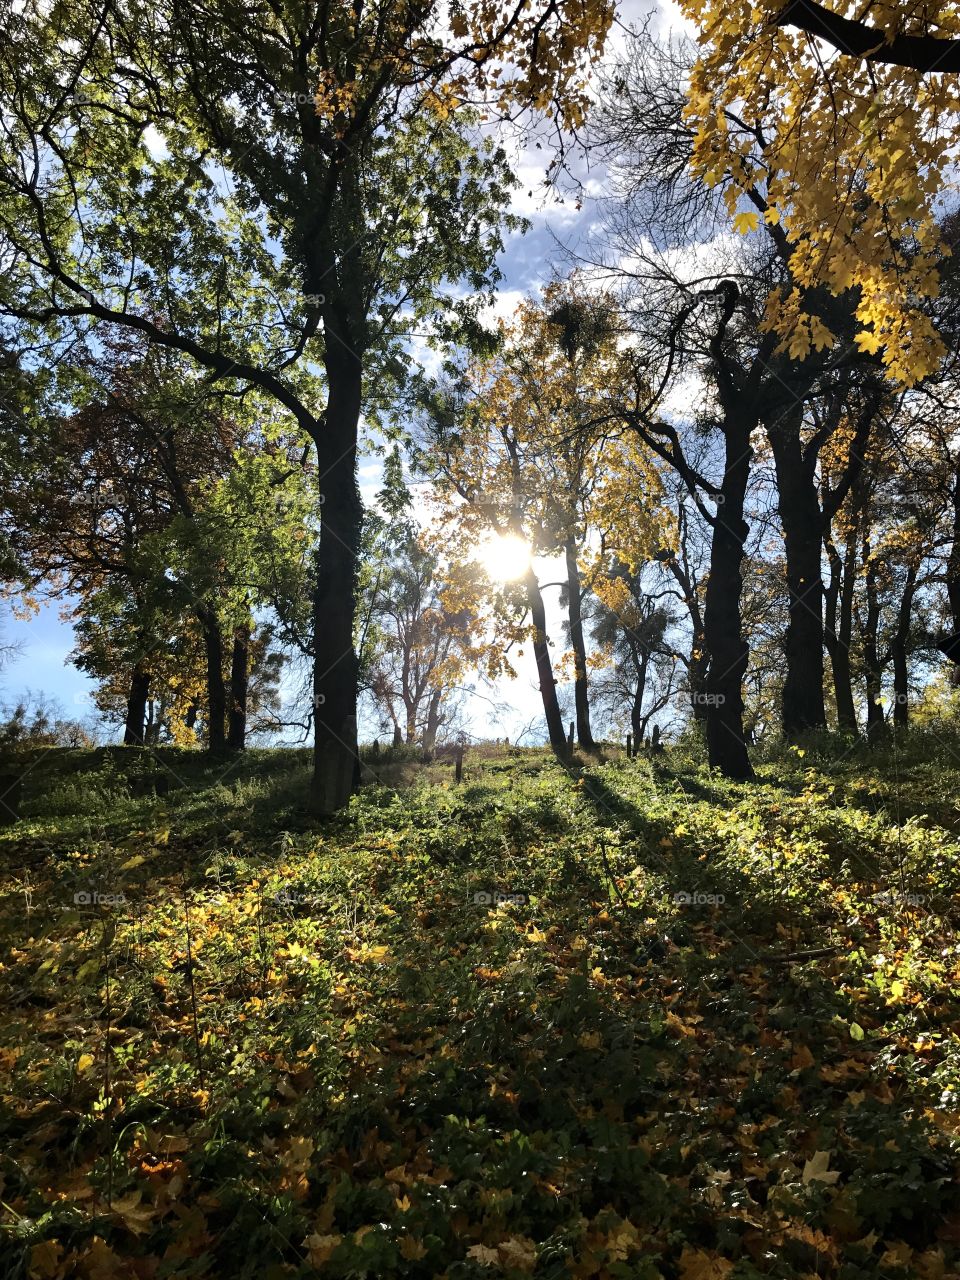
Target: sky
(41,663)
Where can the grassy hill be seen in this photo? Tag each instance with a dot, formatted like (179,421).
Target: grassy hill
(708,1030)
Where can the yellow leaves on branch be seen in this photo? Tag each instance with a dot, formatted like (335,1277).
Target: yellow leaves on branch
(854,157)
(538,56)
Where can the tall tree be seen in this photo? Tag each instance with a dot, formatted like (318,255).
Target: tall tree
(312,147)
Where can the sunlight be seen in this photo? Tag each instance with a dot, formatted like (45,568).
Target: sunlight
(504,557)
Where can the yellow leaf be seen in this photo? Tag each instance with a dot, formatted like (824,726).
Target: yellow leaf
(868,341)
(137,1217)
(816,1169)
(297,1157)
(84,1063)
(749,220)
(320,1248)
(486,1257)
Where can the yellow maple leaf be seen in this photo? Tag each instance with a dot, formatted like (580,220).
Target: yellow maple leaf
(868,341)
(817,1168)
(746,221)
(486,1257)
(321,1247)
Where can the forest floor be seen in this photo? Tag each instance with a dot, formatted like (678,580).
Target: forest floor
(710,1030)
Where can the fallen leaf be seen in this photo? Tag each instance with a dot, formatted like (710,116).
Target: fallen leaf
(816,1169)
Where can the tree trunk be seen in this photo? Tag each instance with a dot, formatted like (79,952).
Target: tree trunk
(728,653)
(698,660)
(898,652)
(953,560)
(953,572)
(575,616)
(872,666)
(839,629)
(637,720)
(801,519)
(541,653)
(216,688)
(133,729)
(433,722)
(335,669)
(239,682)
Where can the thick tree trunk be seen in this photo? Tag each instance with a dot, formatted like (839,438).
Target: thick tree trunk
(133,729)
(839,629)
(541,653)
(433,722)
(575,616)
(216,688)
(728,653)
(801,519)
(335,758)
(239,683)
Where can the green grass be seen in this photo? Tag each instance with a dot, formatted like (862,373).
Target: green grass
(374,1075)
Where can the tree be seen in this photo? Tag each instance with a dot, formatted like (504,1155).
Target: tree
(630,626)
(417,646)
(120,501)
(349,197)
(699,311)
(850,176)
(531,448)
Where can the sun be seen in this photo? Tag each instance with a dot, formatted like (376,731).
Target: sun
(504,557)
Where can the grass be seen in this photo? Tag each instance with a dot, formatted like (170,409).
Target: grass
(717,1038)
